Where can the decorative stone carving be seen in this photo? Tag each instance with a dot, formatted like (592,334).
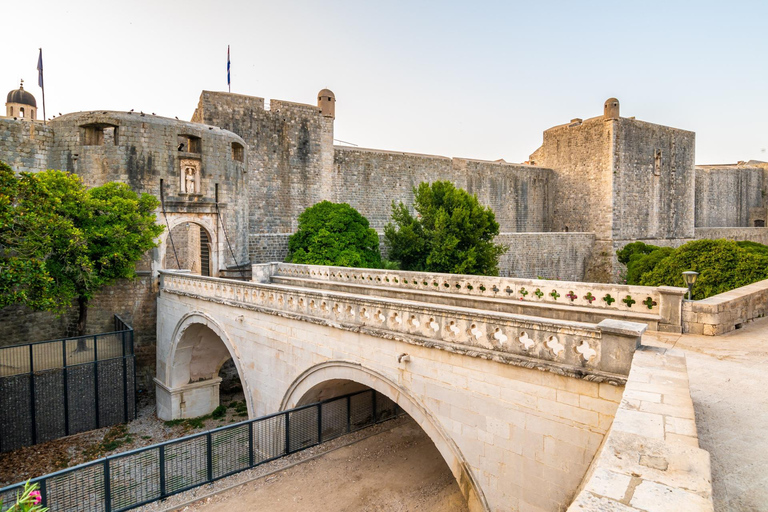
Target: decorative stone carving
(555,346)
(526,341)
(190,176)
(586,351)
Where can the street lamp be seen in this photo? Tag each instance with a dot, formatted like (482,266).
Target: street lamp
(690,278)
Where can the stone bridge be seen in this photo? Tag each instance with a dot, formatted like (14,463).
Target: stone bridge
(517,405)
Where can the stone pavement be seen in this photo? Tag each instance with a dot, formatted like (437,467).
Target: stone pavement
(729,384)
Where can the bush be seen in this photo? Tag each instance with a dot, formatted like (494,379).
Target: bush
(641,263)
(451,232)
(334,234)
(635,248)
(722,265)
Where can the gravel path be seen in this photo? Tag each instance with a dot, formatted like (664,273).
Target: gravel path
(391,467)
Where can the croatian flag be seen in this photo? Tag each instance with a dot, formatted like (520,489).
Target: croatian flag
(40,69)
(229,83)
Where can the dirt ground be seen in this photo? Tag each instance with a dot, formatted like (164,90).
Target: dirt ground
(397,470)
(32,461)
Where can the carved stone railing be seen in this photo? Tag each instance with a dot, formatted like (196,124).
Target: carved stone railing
(599,352)
(664,303)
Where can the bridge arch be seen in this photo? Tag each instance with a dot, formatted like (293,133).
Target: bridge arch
(163,254)
(199,347)
(336,370)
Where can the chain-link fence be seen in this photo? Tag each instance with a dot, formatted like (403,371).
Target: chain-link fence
(131,479)
(52,389)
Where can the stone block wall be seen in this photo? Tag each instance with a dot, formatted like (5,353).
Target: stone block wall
(727,311)
(759,235)
(729,196)
(24,145)
(562,256)
(19,325)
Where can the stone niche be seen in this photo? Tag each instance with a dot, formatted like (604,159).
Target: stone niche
(189,177)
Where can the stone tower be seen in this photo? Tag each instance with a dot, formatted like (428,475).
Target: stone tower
(21,103)
(611,108)
(327,103)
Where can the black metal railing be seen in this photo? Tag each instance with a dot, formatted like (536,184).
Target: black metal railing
(51,389)
(135,478)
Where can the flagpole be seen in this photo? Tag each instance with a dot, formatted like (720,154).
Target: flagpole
(41,82)
(229,82)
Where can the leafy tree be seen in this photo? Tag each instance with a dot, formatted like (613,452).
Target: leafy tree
(60,241)
(334,234)
(722,265)
(634,248)
(451,232)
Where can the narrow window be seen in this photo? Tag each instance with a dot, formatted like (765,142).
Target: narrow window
(759,223)
(657,163)
(21,112)
(237,152)
(189,144)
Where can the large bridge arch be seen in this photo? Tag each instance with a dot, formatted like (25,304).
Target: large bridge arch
(352,371)
(188,382)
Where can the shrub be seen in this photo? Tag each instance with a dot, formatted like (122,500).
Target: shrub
(635,248)
(334,234)
(722,265)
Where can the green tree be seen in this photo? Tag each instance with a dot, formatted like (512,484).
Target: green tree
(722,265)
(451,232)
(61,242)
(334,234)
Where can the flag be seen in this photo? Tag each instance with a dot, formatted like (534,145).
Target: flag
(228,64)
(40,69)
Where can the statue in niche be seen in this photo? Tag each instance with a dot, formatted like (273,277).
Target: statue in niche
(189,180)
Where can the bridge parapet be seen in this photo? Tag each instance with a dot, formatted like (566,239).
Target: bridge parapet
(660,306)
(598,352)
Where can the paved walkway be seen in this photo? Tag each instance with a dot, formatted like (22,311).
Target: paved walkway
(729,385)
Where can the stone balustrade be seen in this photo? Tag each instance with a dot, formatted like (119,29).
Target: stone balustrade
(599,352)
(662,304)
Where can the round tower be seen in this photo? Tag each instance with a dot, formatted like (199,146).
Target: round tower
(611,108)
(327,103)
(20,103)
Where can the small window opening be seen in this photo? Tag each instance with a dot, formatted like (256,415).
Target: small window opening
(11,111)
(189,144)
(237,152)
(657,163)
(21,112)
(98,134)
(566,229)
(759,223)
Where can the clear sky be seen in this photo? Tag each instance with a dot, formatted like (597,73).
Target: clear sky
(469,79)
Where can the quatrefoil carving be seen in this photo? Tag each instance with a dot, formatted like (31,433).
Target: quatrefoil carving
(586,351)
(453,329)
(364,313)
(396,318)
(433,325)
(379,316)
(500,336)
(475,331)
(526,341)
(414,321)
(555,346)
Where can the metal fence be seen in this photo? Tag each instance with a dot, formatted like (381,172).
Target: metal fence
(52,389)
(131,479)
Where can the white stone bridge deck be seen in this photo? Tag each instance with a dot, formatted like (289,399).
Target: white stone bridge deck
(518,405)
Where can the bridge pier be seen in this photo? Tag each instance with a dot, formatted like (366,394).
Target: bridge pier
(187,401)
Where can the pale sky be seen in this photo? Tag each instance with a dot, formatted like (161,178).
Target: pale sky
(467,79)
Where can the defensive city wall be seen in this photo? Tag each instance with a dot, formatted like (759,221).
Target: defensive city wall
(234,179)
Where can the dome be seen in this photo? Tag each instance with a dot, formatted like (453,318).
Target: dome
(21,96)
(326,92)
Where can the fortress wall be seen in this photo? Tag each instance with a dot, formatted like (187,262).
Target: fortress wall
(370,180)
(653,196)
(727,196)
(759,235)
(289,152)
(24,145)
(146,151)
(581,186)
(561,256)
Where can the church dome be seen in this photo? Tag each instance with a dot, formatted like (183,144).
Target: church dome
(22,97)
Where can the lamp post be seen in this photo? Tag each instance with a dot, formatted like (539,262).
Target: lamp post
(690,278)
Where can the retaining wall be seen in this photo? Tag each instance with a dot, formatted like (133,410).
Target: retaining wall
(727,311)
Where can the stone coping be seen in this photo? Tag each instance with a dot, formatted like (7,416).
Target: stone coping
(662,302)
(726,311)
(650,458)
